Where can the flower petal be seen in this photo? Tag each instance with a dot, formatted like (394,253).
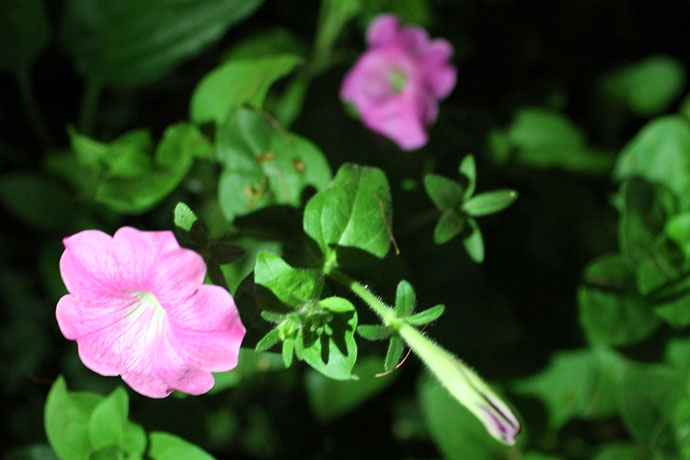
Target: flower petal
(148,385)
(383,30)
(210,351)
(415,40)
(210,309)
(78,317)
(138,252)
(177,275)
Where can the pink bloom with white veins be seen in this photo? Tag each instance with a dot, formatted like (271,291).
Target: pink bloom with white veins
(137,307)
(397,83)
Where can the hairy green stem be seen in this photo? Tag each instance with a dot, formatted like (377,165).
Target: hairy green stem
(384,311)
(33,112)
(460,381)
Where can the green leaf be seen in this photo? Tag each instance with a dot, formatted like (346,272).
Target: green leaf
(647,87)
(458,434)
(660,152)
(265,165)
(166,446)
(468,170)
(426,316)
(330,399)
(448,226)
(36,200)
(108,420)
(611,310)
(24,33)
(445,193)
(393,354)
(489,202)
(409,11)
(473,242)
(537,456)
(374,331)
(129,43)
(67,419)
(353,211)
(268,340)
(184,216)
(293,286)
(236,83)
(249,364)
(288,347)
(576,384)
(333,355)
(404,299)
(647,398)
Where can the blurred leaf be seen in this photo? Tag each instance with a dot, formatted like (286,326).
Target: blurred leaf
(333,16)
(611,310)
(458,434)
(576,384)
(166,446)
(293,286)
(330,399)
(353,211)
(621,451)
(270,41)
(264,165)
(445,193)
(250,363)
(416,12)
(647,87)
(36,200)
(67,417)
(405,299)
(660,152)
(130,192)
(468,170)
(681,426)
(678,229)
(33,452)
(225,253)
(473,242)
(489,202)
(450,224)
(648,395)
(544,139)
(333,354)
(646,208)
(184,216)
(130,43)
(236,83)
(537,456)
(24,33)
(426,316)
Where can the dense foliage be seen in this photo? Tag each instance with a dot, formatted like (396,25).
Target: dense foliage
(542,233)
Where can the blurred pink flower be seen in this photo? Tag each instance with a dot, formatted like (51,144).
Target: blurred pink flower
(137,308)
(396,84)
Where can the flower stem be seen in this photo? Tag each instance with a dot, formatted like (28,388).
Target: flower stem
(384,311)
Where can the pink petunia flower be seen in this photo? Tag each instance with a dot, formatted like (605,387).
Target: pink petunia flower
(396,84)
(137,308)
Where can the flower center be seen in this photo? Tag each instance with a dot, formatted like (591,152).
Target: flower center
(397,79)
(150,311)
